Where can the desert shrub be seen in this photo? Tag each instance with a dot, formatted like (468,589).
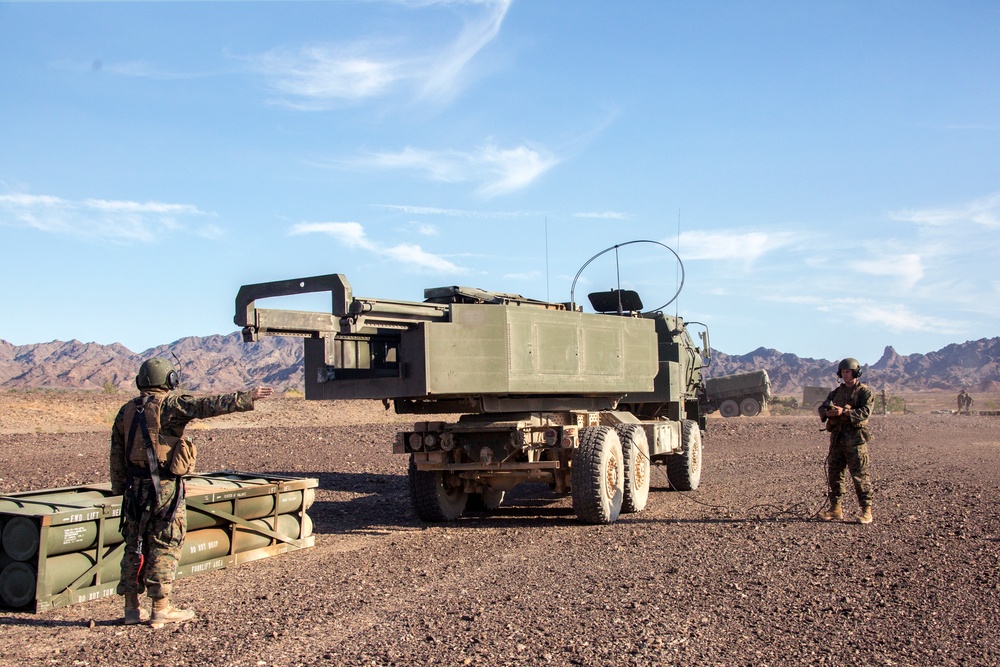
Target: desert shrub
(782,405)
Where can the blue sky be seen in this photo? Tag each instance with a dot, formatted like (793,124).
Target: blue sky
(829,172)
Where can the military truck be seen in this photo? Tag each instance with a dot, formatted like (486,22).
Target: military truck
(545,392)
(744,394)
(813,397)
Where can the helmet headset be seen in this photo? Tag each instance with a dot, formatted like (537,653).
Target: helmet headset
(157,372)
(849,364)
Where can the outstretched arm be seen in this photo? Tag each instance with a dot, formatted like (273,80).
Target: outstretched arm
(185,407)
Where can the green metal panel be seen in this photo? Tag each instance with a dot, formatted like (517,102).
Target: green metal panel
(511,349)
(469,354)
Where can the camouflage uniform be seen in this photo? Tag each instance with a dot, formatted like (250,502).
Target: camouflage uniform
(848,441)
(154,531)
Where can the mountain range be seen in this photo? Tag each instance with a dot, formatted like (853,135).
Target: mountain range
(225,363)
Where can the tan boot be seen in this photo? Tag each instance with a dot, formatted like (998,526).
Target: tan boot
(134,614)
(835,513)
(866,514)
(164,612)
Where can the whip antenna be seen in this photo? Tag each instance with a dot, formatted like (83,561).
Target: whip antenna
(547,258)
(677,268)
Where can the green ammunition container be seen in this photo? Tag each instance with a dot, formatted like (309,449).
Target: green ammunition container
(62,546)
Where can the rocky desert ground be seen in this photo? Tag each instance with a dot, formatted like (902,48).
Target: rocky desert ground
(736,573)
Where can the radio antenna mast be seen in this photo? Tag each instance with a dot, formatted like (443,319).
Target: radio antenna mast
(678,267)
(547,258)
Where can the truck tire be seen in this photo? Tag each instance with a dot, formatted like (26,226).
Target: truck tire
(487,501)
(635,460)
(598,476)
(684,469)
(749,407)
(729,408)
(433,500)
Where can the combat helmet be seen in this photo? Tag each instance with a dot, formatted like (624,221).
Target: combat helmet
(157,373)
(850,363)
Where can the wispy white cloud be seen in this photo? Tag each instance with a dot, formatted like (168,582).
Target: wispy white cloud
(352,235)
(984,212)
(443,78)
(722,245)
(497,170)
(909,268)
(324,76)
(115,220)
(605,215)
(456,212)
(313,77)
(524,276)
(514,168)
(899,318)
(893,316)
(426,230)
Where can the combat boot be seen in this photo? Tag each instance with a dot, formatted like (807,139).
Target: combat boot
(134,614)
(866,514)
(164,612)
(835,513)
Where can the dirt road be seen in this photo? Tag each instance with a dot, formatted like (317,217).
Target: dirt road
(733,574)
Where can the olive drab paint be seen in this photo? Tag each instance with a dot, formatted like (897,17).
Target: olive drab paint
(546,392)
(62,547)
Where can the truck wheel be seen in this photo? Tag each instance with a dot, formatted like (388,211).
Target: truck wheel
(487,501)
(635,459)
(598,476)
(684,469)
(433,499)
(750,407)
(729,408)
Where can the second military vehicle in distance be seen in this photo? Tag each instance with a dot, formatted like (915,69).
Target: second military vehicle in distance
(744,394)
(586,402)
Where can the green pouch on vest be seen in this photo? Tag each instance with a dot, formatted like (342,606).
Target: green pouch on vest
(183,456)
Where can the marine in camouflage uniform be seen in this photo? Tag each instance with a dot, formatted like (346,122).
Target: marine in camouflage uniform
(846,411)
(154,521)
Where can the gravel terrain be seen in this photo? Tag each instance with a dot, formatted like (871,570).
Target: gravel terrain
(735,573)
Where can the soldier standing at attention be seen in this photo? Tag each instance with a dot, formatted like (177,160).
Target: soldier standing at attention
(846,411)
(154,516)
(961,401)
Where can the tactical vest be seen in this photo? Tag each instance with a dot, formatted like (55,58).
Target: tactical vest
(842,397)
(176,454)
